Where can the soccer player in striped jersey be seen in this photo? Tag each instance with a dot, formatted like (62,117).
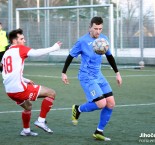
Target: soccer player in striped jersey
(98,91)
(23,90)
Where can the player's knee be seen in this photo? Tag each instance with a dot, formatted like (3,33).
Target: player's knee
(101,106)
(101,103)
(28,108)
(111,104)
(52,94)
(27,105)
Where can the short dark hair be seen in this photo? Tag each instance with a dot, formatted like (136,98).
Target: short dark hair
(13,34)
(96,20)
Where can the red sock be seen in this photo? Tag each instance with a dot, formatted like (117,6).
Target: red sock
(26,116)
(46,105)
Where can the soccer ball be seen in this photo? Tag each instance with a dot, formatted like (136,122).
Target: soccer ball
(100,46)
(141,63)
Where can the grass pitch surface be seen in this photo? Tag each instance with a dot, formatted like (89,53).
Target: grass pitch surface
(134,112)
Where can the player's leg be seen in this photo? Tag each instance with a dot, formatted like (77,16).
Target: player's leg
(105,116)
(86,107)
(106,112)
(22,99)
(33,92)
(93,94)
(26,117)
(49,96)
(110,102)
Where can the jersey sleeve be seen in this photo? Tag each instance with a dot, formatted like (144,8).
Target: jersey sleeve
(43,51)
(24,51)
(108,52)
(76,49)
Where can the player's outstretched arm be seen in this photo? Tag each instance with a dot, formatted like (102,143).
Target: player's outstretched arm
(43,51)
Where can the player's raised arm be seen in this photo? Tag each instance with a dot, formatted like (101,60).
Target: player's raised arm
(43,51)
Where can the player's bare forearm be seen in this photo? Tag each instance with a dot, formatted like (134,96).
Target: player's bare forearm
(43,51)
(118,78)
(64,78)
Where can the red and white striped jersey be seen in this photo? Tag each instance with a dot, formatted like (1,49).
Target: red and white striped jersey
(13,65)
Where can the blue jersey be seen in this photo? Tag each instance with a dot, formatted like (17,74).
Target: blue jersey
(90,61)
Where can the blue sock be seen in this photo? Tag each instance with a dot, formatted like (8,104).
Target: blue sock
(104,118)
(88,107)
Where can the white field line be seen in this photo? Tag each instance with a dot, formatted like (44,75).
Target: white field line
(130,68)
(62,109)
(58,77)
(78,64)
(129,105)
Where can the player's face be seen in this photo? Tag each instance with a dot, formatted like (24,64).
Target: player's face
(95,30)
(20,39)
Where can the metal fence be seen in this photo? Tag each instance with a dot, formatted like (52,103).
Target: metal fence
(63,25)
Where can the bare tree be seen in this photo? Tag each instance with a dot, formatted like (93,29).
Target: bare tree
(131,13)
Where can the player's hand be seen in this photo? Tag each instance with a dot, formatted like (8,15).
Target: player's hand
(118,79)
(56,46)
(59,43)
(64,78)
(31,82)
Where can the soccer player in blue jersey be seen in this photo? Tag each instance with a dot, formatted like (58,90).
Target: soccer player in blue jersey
(98,91)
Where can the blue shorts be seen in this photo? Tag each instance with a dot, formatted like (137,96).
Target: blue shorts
(95,88)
